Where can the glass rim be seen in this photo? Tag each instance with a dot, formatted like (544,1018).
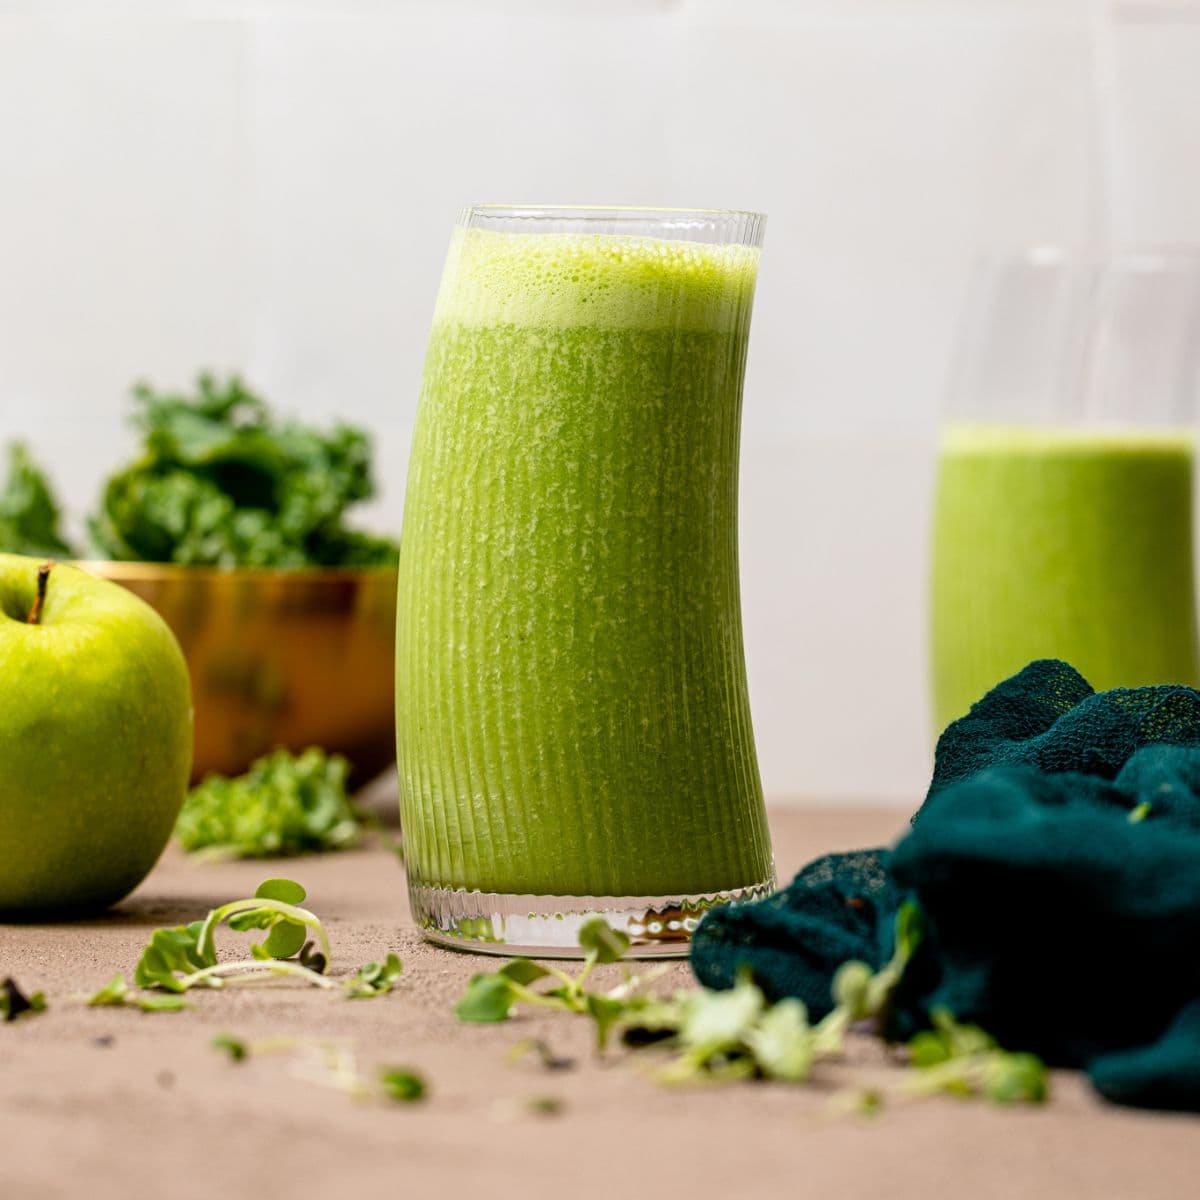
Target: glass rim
(727,226)
(1053,255)
(620,212)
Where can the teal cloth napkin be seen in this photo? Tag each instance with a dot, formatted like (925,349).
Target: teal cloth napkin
(1056,864)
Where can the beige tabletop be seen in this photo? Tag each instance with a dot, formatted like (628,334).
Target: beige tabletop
(115,1103)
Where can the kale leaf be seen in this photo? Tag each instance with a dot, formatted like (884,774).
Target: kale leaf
(285,804)
(221,481)
(29,513)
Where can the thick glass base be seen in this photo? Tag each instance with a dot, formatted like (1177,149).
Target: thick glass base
(548,926)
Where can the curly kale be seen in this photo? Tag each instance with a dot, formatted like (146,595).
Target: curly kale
(285,804)
(222,482)
(29,513)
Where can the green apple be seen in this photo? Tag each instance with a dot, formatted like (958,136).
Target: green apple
(95,738)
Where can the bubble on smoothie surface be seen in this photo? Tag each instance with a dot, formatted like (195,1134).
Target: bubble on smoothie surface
(596,280)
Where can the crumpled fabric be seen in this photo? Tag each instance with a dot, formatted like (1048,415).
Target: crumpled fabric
(1056,866)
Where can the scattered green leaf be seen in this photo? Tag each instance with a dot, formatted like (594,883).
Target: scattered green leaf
(607,1012)
(781,1043)
(487,998)
(285,940)
(374,979)
(715,1022)
(286,804)
(851,988)
(14,1003)
(597,937)
(403,1085)
(964,1060)
(523,971)
(172,954)
(286,890)
(232,1046)
(116,993)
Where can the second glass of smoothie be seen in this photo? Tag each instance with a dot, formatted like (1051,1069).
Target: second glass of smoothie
(1063,517)
(573,728)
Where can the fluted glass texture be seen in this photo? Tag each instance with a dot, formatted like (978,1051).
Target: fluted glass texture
(572,712)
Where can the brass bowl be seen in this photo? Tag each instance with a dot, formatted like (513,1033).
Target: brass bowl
(291,658)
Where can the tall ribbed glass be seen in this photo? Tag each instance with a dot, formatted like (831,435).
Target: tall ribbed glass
(573,728)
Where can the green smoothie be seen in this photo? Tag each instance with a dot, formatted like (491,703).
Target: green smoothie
(571,703)
(1066,544)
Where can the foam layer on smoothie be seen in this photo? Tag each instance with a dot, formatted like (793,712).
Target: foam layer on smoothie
(599,281)
(1032,441)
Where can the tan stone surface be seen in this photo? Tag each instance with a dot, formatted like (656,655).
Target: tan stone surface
(113,1103)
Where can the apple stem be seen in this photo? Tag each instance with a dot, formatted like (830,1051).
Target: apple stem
(35,611)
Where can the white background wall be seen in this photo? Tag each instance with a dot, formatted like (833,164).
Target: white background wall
(270,187)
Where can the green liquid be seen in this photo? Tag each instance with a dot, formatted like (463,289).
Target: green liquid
(572,711)
(1061,544)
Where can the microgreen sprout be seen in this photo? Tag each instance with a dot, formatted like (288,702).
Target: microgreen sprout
(716,1036)
(860,994)
(720,1036)
(116,993)
(965,1061)
(330,1062)
(489,997)
(185,956)
(736,1034)
(14,1003)
(374,979)
(492,995)
(274,907)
